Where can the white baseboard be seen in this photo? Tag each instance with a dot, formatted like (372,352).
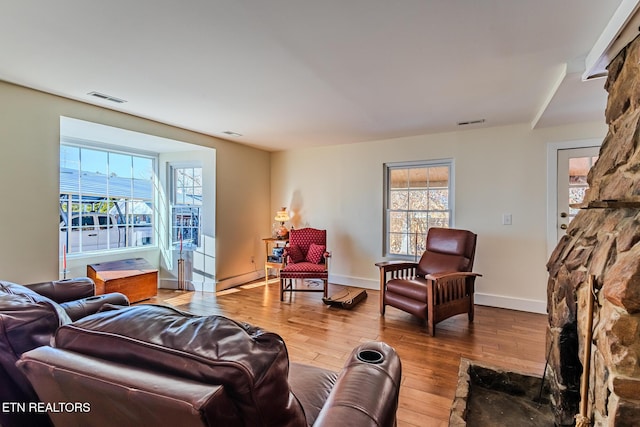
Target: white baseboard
(208,286)
(357,282)
(520,304)
(242,279)
(168,284)
(212,285)
(499,301)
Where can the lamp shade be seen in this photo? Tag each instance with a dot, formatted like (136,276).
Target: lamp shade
(282,215)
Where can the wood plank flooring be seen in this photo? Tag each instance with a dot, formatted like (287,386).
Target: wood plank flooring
(324,336)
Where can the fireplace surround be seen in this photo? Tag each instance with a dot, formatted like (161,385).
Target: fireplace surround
(602,241)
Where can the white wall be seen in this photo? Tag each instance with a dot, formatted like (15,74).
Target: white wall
(202,261)
(29,185)
(497,170)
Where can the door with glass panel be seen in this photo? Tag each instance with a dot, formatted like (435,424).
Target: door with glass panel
(573,167)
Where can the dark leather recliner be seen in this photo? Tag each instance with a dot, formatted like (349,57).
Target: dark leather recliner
(29,317)
(440,285)
(155,365)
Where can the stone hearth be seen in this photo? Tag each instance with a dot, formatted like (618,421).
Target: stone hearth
(603,241)
(490,396)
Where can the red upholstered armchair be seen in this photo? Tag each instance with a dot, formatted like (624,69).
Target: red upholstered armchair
(306,258)
(437,287)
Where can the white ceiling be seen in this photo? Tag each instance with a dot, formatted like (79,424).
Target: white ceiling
(294,73)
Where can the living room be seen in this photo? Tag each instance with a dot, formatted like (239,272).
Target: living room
(500,167)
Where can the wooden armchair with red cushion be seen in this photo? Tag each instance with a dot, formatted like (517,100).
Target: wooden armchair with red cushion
(306,258)
(438,286)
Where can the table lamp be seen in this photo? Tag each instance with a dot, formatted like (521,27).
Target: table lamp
(282,216)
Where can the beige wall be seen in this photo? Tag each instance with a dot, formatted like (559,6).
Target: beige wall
(29,136)
(497,170)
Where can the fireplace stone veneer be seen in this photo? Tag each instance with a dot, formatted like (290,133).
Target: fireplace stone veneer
(604,241)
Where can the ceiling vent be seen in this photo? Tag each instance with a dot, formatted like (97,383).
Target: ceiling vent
(230,133)
(471,122)
(107,97)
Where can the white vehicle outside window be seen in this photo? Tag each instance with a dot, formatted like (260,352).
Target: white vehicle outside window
(106,199)
(102,231)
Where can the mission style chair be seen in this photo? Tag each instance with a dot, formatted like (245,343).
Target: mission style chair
(306,258)
(438,286)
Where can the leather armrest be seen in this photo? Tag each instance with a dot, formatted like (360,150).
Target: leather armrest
(122,395)
(65,290)
(83,307)
(366,392)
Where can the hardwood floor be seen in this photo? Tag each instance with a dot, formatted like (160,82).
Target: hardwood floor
(324,336)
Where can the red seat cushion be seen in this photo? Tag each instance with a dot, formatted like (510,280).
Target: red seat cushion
(307,267)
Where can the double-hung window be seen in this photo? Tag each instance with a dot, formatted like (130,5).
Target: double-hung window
(418,196)
(185,208)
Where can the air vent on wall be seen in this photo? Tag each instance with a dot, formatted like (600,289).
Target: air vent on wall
(471,122)
(107,97)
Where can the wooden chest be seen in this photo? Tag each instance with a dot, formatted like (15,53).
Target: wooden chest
(133,277)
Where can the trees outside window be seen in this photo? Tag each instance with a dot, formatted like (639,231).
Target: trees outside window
(418,196)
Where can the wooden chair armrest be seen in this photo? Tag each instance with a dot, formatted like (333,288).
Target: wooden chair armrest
(396,270)
(327,258)
(447,275)
(395,265)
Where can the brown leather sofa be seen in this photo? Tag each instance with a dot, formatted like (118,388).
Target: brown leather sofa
(29,317)
(155,365)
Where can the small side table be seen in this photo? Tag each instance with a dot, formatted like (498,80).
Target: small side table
(271,242)
(133,277)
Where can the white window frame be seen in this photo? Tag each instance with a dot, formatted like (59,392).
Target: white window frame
(388,167)
(192,210)
(129,228)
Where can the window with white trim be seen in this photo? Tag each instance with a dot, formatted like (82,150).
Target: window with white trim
(418,196)
(106,199)
(186,202)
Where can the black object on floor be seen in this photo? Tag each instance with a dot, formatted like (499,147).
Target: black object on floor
(347,298)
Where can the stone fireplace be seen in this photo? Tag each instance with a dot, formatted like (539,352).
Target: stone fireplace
(603,241)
